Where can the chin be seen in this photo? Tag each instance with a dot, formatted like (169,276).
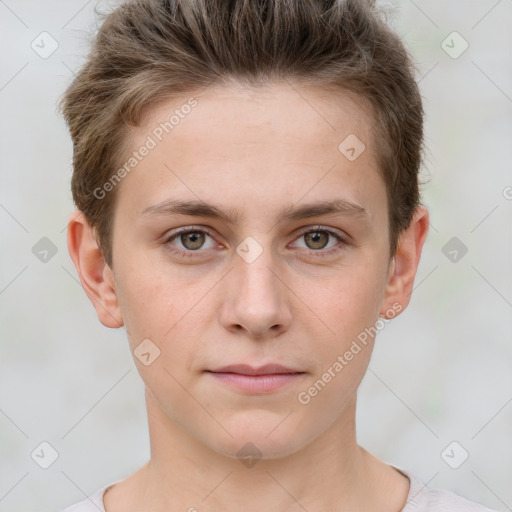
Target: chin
(262,435)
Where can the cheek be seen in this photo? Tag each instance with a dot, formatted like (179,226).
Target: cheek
(333,388)
(347,314)
(167,309)
(350,310)
(352,301)
(150,305)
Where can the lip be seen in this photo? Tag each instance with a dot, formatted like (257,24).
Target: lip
(261,380)
(245,369)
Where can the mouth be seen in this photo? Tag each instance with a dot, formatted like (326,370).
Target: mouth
(260,380)
(245,369)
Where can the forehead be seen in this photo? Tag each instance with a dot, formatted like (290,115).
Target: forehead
(321,116)
(269,142)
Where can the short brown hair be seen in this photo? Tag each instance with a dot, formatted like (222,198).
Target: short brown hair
(151,50)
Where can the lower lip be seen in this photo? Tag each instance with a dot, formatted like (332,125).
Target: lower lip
(257,383)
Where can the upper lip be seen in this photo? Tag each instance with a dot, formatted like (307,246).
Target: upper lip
(245,369)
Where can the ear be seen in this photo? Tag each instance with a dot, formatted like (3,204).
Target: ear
(95,275)
(404,264)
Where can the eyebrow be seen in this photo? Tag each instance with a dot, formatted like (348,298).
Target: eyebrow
(232,216)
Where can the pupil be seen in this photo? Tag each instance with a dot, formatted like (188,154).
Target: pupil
(192,240)
(315,238)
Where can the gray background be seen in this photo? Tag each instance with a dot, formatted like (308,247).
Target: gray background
(441,372)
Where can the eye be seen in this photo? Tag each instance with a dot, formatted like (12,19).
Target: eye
(317,239)
(191,240)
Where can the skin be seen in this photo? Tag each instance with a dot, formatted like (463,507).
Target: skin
(253,150)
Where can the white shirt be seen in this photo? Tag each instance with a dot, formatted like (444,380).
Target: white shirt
(419,499)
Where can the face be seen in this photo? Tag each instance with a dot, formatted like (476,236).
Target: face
(247,235)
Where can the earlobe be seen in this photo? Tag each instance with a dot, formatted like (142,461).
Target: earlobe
(95,275)
(405,263)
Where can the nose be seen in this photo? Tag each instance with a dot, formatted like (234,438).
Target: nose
(256,298)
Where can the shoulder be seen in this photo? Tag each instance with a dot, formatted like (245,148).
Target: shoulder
(423,499)
(441,500)
(92,504)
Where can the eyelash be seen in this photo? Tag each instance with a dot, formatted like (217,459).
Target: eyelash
(319,252)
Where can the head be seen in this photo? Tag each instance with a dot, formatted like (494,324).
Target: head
(257,112)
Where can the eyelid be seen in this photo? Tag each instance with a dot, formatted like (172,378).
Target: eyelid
(320,227)
(342,240)
(187,229)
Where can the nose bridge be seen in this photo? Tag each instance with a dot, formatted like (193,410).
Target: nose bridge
(256,295)
(256,268)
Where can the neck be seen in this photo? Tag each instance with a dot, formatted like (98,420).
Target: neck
(332,473)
